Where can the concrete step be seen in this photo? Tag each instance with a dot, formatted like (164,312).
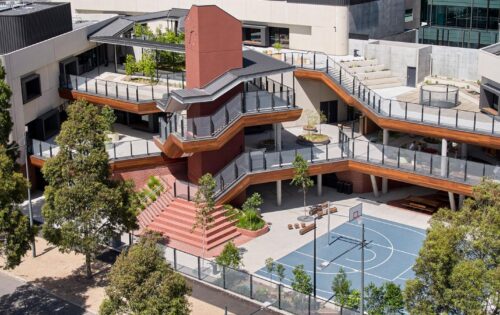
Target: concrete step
(375,75)
(360,63)
(217,226)
(367,69)
(374,82)
(385,86)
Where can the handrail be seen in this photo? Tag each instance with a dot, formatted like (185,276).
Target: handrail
(422,163)
(465,120)
(115,150)
(278,98)
(124,91)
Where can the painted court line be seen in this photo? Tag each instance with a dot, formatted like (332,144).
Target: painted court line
(377,244)
(397,277)
(395,225)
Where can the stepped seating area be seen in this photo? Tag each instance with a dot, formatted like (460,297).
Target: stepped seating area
(372,74)
(174,218)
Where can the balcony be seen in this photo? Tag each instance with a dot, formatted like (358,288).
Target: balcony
(454,124)
(128,93)
(251,108)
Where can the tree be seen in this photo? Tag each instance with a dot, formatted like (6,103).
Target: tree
(83,207)
(301,280)
(386,299)
(280,272)
(341,288)
(322,119)
(252,203)
(131,66)
(301,176)
(205,204)
(374,299)
(142,282)
(15,232)
(230,256)
(393,298)
(148,65)
(354,300)
(457,268)
(270,266)
(6,123)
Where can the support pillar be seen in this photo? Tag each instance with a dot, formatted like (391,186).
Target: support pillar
(453,206)
(461,199)
(463,151)
(277,136)
(385,141)
(444,154)
(320,184)
(278,193)
(374,185)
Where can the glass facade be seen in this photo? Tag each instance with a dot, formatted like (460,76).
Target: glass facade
(281,35)
(470,23)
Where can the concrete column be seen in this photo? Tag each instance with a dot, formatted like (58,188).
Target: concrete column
(278,193)
(463,150)
(461,199)
(277,136)
(453,206)
(374,185)
(320,184)
(385,141)
(444,154)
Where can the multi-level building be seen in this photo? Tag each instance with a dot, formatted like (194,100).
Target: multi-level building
(470,24)
(238,113)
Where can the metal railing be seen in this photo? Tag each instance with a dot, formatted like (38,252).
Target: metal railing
(184,190)
(116,150)
(422,163)
(407,111)
(251,286)
(251,102)
(123,91)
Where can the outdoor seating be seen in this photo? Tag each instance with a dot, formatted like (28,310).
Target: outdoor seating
(308,228)
(302,225)
(290,227)
(296,225)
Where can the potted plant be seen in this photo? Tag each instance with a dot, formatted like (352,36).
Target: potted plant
(278,47)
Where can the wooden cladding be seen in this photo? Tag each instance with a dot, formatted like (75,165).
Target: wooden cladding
(484,140)
(174,147)
(131,107)
(348,165)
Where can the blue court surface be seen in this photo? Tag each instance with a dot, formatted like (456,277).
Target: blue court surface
(390,254)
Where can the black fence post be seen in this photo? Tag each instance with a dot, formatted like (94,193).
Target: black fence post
(199,267)
(224,277)
(279,295)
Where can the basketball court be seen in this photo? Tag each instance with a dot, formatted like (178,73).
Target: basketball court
(390,253)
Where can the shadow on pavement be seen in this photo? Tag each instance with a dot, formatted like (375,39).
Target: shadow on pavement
(27,299)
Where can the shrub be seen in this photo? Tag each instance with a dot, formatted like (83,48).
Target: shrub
(250,220)
(131,66)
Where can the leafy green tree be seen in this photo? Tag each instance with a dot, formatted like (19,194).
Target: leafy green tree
(280,272)
(205,205)
(142,282)
(15,232)
(6,123)
(393,298)
(457,268)
(341,288)
(270,266)
(354,300)
(83,207)
(301,176)
(252,203)
(322,119)
(148,65)
(374,299)
(131,66)
(386,299)
(301,280)
(230,256)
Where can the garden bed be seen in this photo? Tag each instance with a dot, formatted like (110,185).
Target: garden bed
(254,234)
(313,139)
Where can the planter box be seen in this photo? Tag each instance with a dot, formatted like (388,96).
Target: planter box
(257,233)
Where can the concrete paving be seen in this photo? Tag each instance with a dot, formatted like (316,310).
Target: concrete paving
(19,297)
(280,241)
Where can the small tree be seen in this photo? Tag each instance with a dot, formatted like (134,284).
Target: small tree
(280,272)
(341,288)
(83,207)
(131,66)
(148,66)
(278,46)
(301,176)
(393,298)
(6,123)
(301,280)
(142,282)
(270,266)
(252,203)
(205,205)
(354,300)
(230,256)
(374,299)
(386,299)
(15,232)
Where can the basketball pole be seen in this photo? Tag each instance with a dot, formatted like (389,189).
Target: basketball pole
(328,223)
(362,302)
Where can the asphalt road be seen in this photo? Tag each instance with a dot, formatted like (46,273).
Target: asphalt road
(20,298)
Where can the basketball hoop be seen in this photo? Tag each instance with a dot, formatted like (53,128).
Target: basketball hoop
(356,213)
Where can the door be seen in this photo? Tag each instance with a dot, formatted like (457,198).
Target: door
(411,76)
(330,110)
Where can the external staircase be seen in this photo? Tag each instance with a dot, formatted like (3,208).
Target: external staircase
(173,216)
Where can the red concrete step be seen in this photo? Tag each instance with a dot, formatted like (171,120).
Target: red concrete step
(217,226)
(190,212)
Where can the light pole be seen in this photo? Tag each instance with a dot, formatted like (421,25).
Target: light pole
(362,302)
(30,207)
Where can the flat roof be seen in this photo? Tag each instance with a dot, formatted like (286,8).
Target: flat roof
(137,42)
(25,8)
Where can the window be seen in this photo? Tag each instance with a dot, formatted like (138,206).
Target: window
(279,34)
(408,15)
(254,35)
(494,103)
(31,88)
